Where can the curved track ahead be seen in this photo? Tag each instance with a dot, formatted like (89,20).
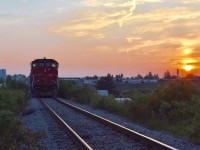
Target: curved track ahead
(98,132)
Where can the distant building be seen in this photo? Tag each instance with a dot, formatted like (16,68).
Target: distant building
(69,78)
(102,92)
(3,74)
(177,72)
(90,81)
(137,80)
(123,99)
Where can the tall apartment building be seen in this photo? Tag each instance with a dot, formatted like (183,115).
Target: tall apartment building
(3,74)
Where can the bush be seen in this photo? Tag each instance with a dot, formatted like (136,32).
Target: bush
(173,107)
(20,85)
(13,100)
(178,91)
(13,134)
(67,89)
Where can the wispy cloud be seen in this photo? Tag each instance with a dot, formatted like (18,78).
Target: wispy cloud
(105,3)
(118,12)
(132,8)
(24,1)
(190,1)
(91,24)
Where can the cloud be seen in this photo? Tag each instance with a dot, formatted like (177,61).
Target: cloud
(105,3)
(154,36)
(163,19)
(90,24)
(131,39)
(11,20)
(116,3)
(24,1)
(190,1)
(129,5)
(102,48)
(132,8)
(182,62)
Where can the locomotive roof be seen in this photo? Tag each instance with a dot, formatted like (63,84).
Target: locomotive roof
(44,60)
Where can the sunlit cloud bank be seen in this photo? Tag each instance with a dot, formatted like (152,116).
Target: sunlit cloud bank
(105,16)
(190,1)
(86,25)
(129,36)
(163,35)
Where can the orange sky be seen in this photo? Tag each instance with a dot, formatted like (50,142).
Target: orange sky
(91,37)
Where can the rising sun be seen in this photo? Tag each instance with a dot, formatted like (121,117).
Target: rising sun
(188,67)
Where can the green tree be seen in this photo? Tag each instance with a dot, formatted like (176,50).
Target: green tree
(8,78)
(67,89)
(167,75)
(1,80)
(149,76)
(139,76)
(106,83)
(119,77)
(189,76)
(14,135)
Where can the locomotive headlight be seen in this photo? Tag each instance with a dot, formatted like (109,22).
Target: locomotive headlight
(53,65)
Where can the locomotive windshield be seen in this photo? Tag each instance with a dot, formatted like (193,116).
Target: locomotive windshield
(45,63)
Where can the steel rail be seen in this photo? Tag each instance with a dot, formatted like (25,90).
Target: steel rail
(147,140)
(77,139)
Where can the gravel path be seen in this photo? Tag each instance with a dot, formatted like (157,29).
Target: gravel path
(39,119)
(160,136)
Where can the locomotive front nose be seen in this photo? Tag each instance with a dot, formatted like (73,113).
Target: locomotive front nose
(44,77)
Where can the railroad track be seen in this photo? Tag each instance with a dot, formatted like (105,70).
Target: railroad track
(98,132)
(81,144)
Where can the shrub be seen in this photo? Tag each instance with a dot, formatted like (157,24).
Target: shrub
(173,107)
(20,85)
(13,100)
(13,134)
(67,89)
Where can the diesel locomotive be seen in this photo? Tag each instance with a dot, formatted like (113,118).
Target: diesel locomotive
(44,77)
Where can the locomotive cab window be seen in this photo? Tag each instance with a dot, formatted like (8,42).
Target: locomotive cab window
(48,64)
(41,64)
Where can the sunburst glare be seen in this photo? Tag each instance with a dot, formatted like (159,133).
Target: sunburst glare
(188,67)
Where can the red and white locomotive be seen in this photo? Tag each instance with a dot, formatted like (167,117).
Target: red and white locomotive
(44,77)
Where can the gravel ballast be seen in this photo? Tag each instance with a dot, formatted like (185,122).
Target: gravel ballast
(39,119)
(98,135)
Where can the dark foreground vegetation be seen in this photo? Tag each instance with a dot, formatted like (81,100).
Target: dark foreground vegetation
(173,106)
(13,134)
